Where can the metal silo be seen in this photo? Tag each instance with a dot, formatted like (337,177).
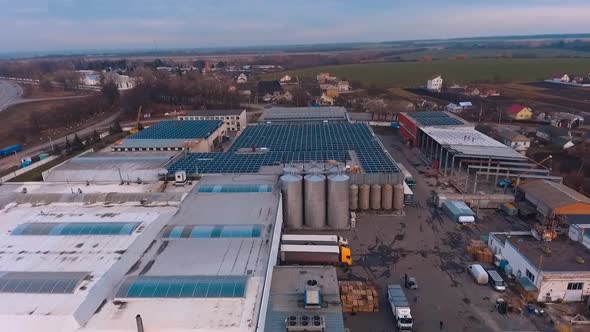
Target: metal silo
(292,189)
(338,201)
(364,197)
(291,169)
(398,196)
(375,197)
(315,200)
(354,197)
(387,197)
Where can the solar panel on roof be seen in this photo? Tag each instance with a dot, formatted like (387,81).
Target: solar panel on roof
(182,287)
(76,228)
(187,129)
(235,188)
(41,282)
(296,143)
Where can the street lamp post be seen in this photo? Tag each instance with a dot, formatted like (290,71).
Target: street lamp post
(51,142)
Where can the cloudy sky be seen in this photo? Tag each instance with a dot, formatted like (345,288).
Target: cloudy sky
(41,25)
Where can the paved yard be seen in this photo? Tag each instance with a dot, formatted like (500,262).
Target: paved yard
(432,248)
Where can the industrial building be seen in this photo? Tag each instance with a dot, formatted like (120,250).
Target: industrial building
(197,136)
(136,166)
(546,271)
(235,120)
(304,114)
(553,200)
(472,160)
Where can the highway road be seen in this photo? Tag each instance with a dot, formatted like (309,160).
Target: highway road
(10,93)
(28,152)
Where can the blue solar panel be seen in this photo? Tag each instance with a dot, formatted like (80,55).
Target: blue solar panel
(76,228)
(40,282)
(183,287)
(179,130)
(212,231)
(297,143)
(433,118)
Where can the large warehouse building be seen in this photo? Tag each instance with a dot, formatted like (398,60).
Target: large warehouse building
(197,136)
(235,120)
(554,200)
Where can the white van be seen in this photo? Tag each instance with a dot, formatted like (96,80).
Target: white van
(496,281)
(479,274)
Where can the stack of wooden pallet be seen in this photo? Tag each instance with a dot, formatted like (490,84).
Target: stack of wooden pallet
(358,296)
(480,252)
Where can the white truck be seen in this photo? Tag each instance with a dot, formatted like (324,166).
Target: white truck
(309,239)
(400,307)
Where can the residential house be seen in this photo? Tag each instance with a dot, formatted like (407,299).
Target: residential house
(435,83)
(560,77)
(322,78)
(519,112)
(489,93)
(566,120)
(471,91)
(272,88)
(454,108)
(556,136)
(578,80)
(343,86)
(286,79)
(330,90)
(242,78)
(513,139)
(287,97)
(553,270)
(123,82)
(326,100)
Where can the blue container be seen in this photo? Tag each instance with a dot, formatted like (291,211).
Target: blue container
(395,125)
(10,150)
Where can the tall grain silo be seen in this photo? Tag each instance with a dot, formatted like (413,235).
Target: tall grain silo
(354,197)
(375,197)
(387,197)
(398,196)
(364,195)
(315,200)
(290,169)
(338,201)
(292,189)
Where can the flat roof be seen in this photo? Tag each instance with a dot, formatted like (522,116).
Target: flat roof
(111,167)
(436,119)
(297,114)
(286,296)
(177,129)
(561,259)
(213,112)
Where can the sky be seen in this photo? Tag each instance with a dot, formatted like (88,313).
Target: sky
(51,25)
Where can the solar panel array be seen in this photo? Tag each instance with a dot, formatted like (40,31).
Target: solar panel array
(236,188)
(299,143)
(212,232)
(41,282)
(183,287)
(76,228)
(178,130)
(433,118)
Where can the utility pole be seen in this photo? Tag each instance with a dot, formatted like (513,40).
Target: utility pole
(51,142)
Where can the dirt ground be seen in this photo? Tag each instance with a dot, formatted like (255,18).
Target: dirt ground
(431,248)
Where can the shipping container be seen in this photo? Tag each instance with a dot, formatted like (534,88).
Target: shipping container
(7,151)
(459,211)
(509,209)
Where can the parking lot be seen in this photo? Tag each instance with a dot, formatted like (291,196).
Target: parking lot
(430,247)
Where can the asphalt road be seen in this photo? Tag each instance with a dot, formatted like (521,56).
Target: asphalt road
(10,93)
(13,160)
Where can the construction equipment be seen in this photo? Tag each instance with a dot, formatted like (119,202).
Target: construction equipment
(138,126)
(518,182)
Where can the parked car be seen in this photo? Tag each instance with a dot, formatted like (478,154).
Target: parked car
(496,281)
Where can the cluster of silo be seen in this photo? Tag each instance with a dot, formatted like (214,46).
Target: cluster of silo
(314,200)
(375,197)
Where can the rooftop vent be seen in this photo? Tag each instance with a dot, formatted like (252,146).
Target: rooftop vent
(306,323)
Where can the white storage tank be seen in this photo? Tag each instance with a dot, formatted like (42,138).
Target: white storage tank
(398,196)
(338,201)
(315,201)
(354,197)
(387,197)
(375,197)
(364,194)
(292,189)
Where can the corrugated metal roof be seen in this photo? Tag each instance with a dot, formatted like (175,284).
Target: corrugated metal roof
(552,194)
(488,151)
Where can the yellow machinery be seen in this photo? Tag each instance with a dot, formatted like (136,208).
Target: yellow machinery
(138,126)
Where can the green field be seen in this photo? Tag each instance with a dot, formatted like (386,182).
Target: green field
(412,74)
